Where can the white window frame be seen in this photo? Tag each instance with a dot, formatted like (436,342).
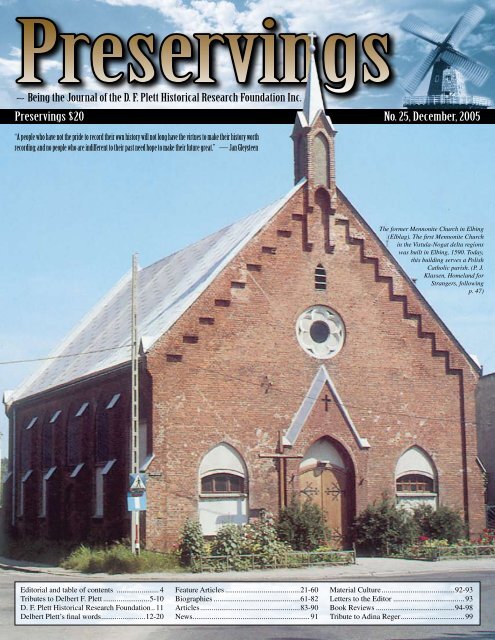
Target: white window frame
(44,491)
(76,470)
(55,416)
(99,493)
(100,473)
(82,409)
(113,401)
(22,496)
(32,423)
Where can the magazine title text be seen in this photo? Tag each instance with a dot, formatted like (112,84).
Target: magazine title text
(283,57)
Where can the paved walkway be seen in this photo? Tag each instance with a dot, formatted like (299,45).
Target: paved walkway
(364,568)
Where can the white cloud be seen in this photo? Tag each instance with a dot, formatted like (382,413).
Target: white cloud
(9,67)
(223,16)
(49,65)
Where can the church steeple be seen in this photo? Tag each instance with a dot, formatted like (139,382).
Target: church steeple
(313,132)
(313,99)
(314,155)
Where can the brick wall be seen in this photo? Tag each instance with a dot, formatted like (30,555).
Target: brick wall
(70,505)
(400,375)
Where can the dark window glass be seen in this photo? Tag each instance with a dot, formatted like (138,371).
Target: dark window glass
(74,442)
(103,435)
(415,482)
(222,483)
(26,449)
(47,444)
(207,484)
(319,331)
(320,278)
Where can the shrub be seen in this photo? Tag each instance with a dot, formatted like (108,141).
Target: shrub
(486,537)
(260,538)
(382,529)
(191,545)
(302,526)
(228,541)
(443,524)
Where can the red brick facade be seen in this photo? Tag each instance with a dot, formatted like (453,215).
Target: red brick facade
(231,371)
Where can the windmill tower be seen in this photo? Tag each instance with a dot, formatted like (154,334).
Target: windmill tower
(448,66)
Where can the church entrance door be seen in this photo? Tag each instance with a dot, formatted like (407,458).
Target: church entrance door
(324,479)
(327,488)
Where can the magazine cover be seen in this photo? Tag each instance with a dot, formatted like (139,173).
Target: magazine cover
(246,348)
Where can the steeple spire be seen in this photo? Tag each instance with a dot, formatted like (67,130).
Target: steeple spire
(313,99)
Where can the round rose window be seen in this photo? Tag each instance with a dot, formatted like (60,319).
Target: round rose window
(320,332)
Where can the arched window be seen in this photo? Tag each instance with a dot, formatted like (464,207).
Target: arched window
(415,479)
(223,489)
(415,483)
(222,483)
(320,278)
(321,163)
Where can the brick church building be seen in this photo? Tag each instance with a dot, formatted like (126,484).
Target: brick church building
(287,354)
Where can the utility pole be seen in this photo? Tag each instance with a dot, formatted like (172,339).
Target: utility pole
(135,534)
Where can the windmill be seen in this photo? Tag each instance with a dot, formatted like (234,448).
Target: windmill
(448,65)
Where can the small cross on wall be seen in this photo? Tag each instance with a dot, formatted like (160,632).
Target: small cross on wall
(266,384)
(327,400)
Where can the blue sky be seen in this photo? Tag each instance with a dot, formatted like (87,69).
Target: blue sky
(125,17)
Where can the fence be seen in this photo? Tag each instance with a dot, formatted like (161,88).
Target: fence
(453,552)
(291,559)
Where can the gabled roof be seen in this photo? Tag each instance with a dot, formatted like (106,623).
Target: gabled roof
(166,289)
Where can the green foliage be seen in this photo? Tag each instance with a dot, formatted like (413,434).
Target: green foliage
(444,523)
(260,538)
(251,544)
(486,537)
(382,529)
(302,526)
(118,558)
(228,541)
(191,545)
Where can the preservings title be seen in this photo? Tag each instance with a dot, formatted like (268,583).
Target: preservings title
(345,59)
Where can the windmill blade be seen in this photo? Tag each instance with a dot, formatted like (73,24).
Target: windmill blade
(414,78)
(465,25)
(416,26)
(472,70)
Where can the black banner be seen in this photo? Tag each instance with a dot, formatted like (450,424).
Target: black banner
(242,116)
